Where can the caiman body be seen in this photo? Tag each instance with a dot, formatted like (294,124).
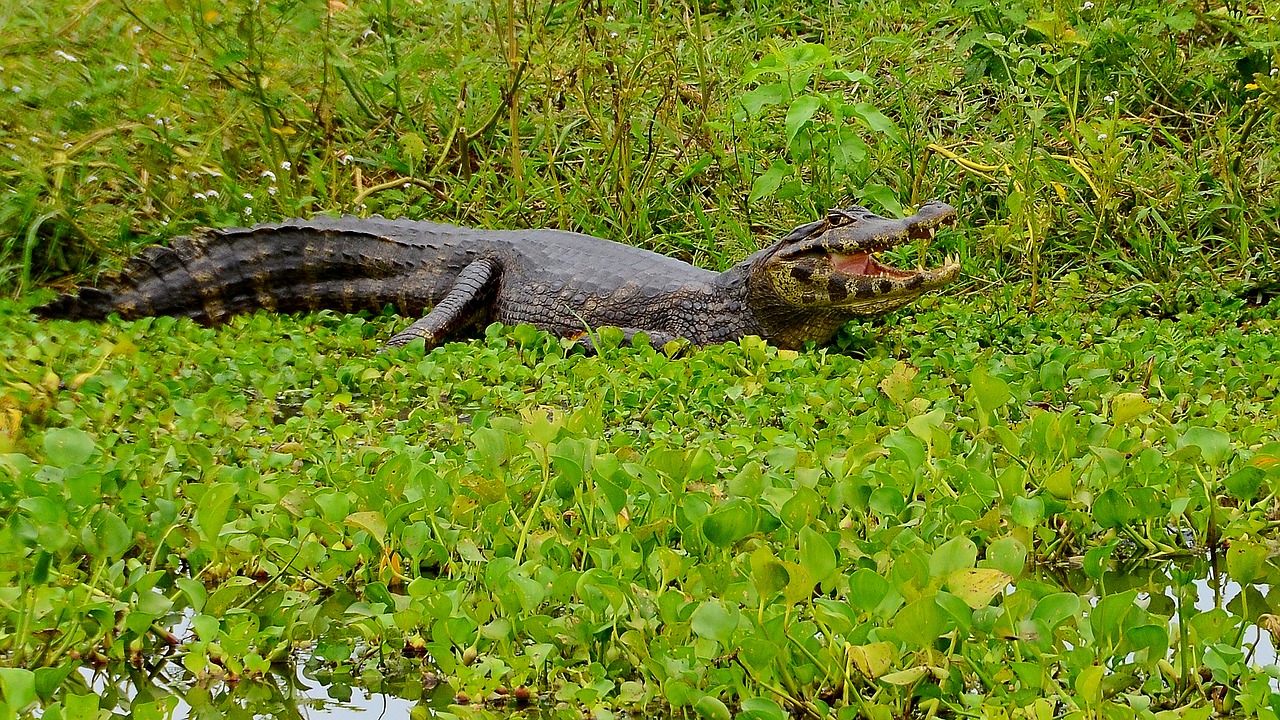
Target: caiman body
(800,290)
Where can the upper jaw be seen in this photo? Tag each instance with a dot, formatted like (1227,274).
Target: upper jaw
(851,238)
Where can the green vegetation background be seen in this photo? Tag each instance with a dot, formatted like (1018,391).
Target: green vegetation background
(886,528)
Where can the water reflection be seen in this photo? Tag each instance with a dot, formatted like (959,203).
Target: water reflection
(171,693)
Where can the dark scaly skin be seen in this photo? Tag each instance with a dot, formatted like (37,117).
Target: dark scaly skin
(800,290)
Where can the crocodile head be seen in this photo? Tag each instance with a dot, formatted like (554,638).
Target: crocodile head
(826,272)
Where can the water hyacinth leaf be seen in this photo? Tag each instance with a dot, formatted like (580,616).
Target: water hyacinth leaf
(712,708)
(887,502)
(1214,445)
(1244,483)
(1096,561)
(1246,562)
(65,447)
(1007,554)
(19,687)
(1127,407)
(714,620)
(1027,512)
(768,573)
(816,554)
(729,523)
(758,651)
(107,535)
(867,589)
(761,708)
(989,392)
(1112,510)
(954,554)
(1054,609)
(802,508)
(1107,616)
(977,586)
(49,679)
(491,447)
(800,584)
(371,522)
(749,482)
(213,508)
(1154,639)
(872,660)
(920,623)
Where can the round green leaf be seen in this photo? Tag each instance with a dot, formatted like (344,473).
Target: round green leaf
(714,620)
(67,446)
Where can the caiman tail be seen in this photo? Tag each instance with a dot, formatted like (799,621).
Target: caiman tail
(294,266)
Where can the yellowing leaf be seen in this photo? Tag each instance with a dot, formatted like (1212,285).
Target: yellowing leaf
(1128,406)
(977,586)
(871,660)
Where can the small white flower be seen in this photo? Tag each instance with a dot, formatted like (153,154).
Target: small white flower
(14,158)
(192,175)
(75,104)
(364,35)
(285,164)
(172,176)
(66,146)
(146,66)
(609,18)
(150,115)
(406,186)
(362,205)
(1109,98)
(268,174)
(248,211)
(10,145)
(91,179)
(1087,5)
(65,56)
(347,158)
(34,139)
(214,173)
(200,196)
(166,67)
(137,29)
(271,190)
(248,196)
(186,87)
(1274,71)
(613,34)
(121,67)
(62,133)
(160,121)
(16,89)
(213,194)
(1102,136)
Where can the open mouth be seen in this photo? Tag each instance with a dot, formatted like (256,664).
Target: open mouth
(867,262)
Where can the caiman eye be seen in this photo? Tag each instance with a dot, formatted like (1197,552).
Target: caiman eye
(838,218)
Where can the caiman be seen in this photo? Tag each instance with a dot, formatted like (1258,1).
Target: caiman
(800,290)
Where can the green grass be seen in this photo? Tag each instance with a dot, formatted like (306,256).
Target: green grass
(1129,140)
(924,519)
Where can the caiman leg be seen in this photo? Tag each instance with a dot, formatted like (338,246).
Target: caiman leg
(459,307)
